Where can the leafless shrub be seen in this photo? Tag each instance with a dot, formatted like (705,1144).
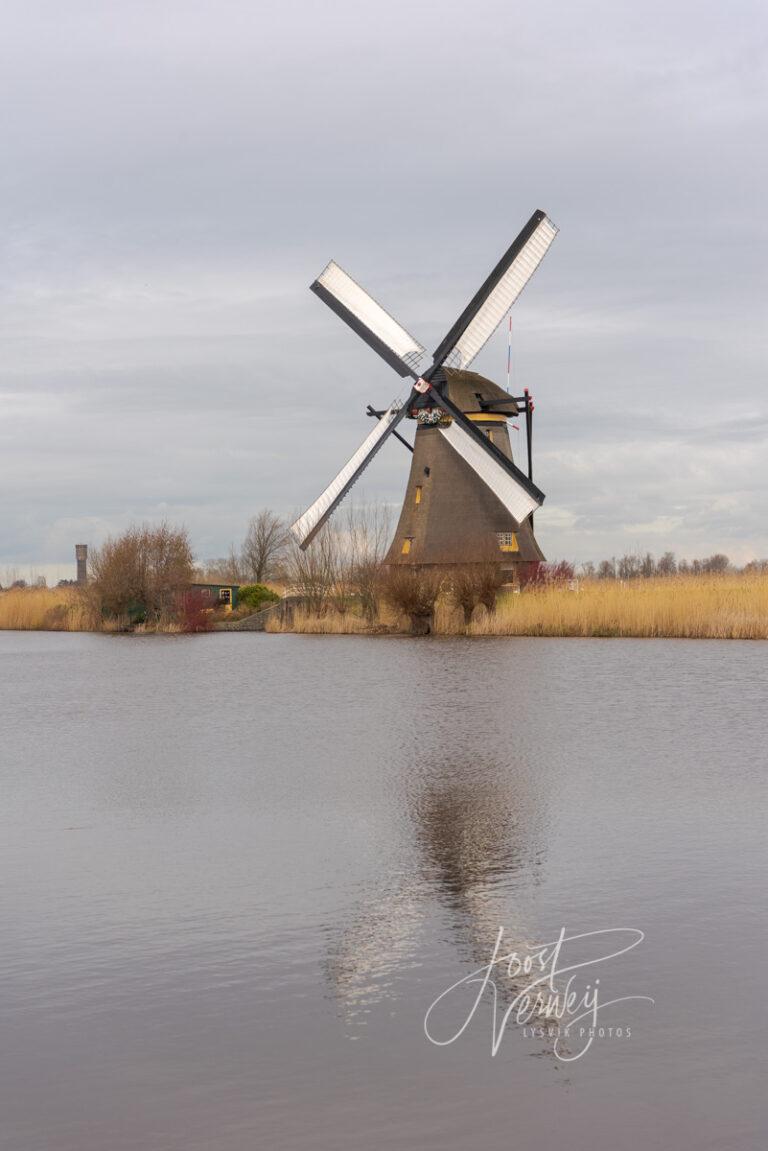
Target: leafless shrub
(413,591)
(473,584)
(143,571)
(489,580)
(194,613)
(537,573)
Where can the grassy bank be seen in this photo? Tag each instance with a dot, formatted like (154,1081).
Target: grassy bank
(730,606)
(43,609)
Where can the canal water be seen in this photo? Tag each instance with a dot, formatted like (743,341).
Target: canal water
(239,870)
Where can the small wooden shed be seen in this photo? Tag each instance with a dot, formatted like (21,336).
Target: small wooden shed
(219,594)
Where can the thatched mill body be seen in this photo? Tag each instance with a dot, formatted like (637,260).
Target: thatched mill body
(449,514)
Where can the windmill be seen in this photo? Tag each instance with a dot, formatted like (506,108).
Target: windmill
(466,497)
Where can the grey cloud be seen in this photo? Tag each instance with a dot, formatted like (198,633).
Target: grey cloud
(176,175)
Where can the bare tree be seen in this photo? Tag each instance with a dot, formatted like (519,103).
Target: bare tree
(265,546)
(647,566)
(225,569)
(335,558)
(607,569)
(310,572)
(628,567)
(342,565)
(369,529)
(667,565)
(233,569)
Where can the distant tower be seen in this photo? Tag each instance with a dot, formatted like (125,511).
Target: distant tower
(81,555)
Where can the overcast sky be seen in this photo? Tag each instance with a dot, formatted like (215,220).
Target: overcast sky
(175,175)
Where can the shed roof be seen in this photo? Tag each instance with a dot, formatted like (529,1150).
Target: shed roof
(219,583)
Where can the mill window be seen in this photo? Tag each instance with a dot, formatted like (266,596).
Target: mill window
(507,541)
(417,497)
(405,550)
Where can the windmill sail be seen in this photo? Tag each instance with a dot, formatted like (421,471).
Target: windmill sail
(366,317)
(487,309)
(308,525)
(502,481)
(484,445)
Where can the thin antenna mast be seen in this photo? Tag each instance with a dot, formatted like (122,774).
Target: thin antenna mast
(529,436)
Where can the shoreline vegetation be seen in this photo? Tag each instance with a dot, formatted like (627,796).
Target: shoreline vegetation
(731,605)
(43,609)
(146,581)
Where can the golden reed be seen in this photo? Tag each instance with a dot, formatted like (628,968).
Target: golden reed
(44,609)
(681,607)
(730,606)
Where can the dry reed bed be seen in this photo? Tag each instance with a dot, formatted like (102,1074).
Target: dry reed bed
(728,606)
(331,623)
(687,607)
(43,609)
(64,609)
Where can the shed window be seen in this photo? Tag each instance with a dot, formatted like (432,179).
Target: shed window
(405,550)
(225,594)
